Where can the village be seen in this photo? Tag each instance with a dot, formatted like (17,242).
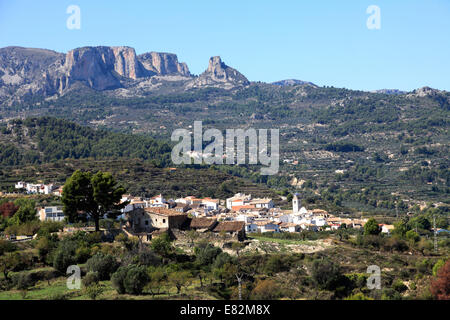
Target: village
(236,216)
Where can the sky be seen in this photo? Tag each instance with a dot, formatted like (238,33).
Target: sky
(326,42)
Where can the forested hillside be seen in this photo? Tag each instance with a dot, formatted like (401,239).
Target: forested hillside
(40,140)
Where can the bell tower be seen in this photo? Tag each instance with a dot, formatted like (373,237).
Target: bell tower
(295,204)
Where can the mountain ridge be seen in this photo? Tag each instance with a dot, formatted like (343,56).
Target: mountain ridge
(34,72)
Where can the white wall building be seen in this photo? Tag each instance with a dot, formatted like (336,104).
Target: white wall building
(51,214)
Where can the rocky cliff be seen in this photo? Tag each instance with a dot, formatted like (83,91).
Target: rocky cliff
(27,72)
(163,64)
(218,74)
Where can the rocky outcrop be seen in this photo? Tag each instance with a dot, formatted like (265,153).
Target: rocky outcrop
(30,72)
(23,72)
(218,74)
(292,82)
(127,64)
(425,91)
(93,66)
(161,63)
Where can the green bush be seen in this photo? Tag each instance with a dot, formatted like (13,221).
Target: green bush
(222,259)
(358,296)
(130,279)
(136,279)
(399,286)
(326,274)
(64,255)
(104,265)
(7,246)
(91,278)
(118,279)
(206,253)
(23,281)
(94,291)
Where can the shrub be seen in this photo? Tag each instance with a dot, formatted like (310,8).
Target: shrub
(23,281)
(118,278)
(394,244)
(358,296)
(7,246)
(206,253)
(48,227)
(104,265)
(399,286)
(45,245)
(440,286)
(439,264)
(266,290)
(90,278)
(94,290)
(82,254)
(147,258)
(162,245)
(412,236)
(64,255)
(274,264)
(130,279)
(136,279)
(326,274)
(424,266)
(222,259)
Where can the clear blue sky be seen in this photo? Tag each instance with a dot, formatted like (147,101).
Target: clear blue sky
(323,41)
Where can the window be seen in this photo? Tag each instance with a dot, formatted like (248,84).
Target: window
(164,220)
(146,222)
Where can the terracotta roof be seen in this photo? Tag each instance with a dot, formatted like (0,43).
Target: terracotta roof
(202,223)
(164,211)
(229,226)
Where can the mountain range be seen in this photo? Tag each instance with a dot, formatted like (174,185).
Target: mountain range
(30,72)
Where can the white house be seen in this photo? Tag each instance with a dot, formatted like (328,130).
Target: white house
(238,199)
(157,202)
(261,203)
(387,228)
(20,185)
(210,204)
(268,227)
(290,227)
(51,214)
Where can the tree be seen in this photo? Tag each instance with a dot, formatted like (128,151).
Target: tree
(206,253)
(136,279)
(25,213)
(400,229)
(157,279)
(8,209)
(371,227)
(326,274)
(8,263)
(162,245)
(412,236)
(180,279)
(104,265)
(92,194)
(64,255)
(440,286)
(419,222)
